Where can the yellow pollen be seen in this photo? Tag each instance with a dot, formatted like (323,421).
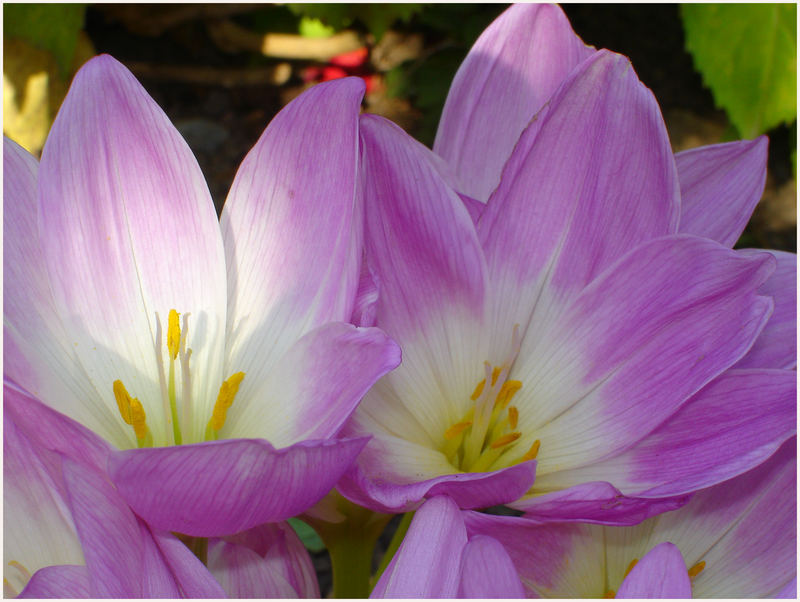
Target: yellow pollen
(173,334)
(697,569)
(630,567)
(138,419)
(478,390)
(458,428)
(610,594)
(495,373)
(507,392)
(532,452)
(225,397)
(123,401)
(513,417)
(505,440)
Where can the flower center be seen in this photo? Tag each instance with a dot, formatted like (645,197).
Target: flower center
(132,410)
(484,438)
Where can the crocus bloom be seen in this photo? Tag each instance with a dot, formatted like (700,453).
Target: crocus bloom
(733,540)
(131,309)
(67,533)
(572,320)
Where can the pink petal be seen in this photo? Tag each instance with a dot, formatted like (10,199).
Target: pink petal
(511,71)
(428,562)
(189,575)
(291,228)
(312,390)
(776,346)
(487,571)
(60,581)
(245,574)
(591,177)
(720,186)
(661,573)
(223,487)
(467,490)
(129,232)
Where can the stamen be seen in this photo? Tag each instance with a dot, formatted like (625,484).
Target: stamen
(478,390)
(224,401)
(697,569)
(173,334)
(495,373)
(513,417)
(507,392)
(505,440)
(123,401)
(132,413)
(610,594)
(458,428)
(138,419)
(633,563)
(532,452)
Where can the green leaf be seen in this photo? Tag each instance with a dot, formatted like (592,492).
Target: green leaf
(51,27)
(377,17)
(307,535)
(747,55)
(314,28)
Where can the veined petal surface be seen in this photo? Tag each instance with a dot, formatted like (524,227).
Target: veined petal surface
(291,229)
(487,571)
(223,487)
(720,186)
(129,232)
(508,75)
(57,582)
(661,573)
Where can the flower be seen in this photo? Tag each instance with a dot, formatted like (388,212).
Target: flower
(131,309)
(577,318)
(733,540)
(68,532)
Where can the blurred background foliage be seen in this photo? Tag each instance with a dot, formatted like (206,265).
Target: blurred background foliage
(221,71)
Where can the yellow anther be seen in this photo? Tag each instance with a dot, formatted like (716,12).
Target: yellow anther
(610,594)
(173,334)
(225,397)
(513,417)
(630,567)
(495,373)
(458,428)
(507,392)
(123,401)
(697,569)
(138,419)
(505,440)
(532,452)
(478,390)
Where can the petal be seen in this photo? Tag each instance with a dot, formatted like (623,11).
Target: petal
(720,186)
(378,491)
(222,487)
(109,533)
(37,354)
(661,573)
(245,574)
(511,71)
(635,345)
(366,301)
(789,591)
(51,430)
(424,255)
(732,425)
(281,548)
(292,233)
(189,575)
(595,502)
(62,581)
(315,387)
(776,346)
(427,564)
(487,571)
(591,177)
(129,232)
(38,528)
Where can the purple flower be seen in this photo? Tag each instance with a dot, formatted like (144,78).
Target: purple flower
(68,532)
(131,309)
(584,321)
(733,540)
